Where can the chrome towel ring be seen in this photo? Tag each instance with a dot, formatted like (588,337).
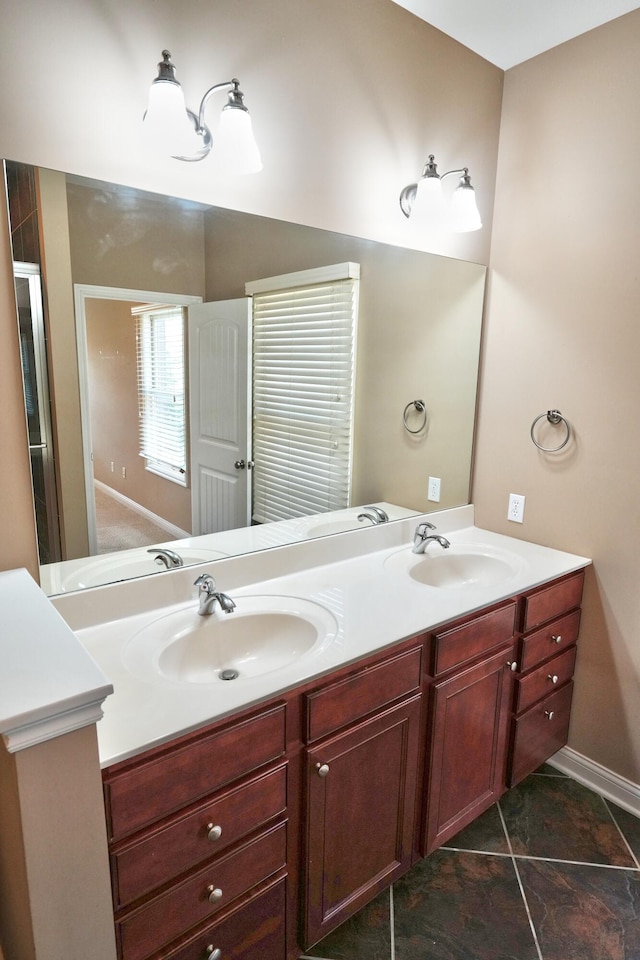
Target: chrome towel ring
(554,417)
(419,406)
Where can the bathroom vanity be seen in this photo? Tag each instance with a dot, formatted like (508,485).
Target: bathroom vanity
(255,832)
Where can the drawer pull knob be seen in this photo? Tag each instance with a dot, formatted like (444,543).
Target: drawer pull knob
(214,832)
(213,953)
(553,677)
(549,714)
(215,893)
(513,666)
(557,638)
(323,769)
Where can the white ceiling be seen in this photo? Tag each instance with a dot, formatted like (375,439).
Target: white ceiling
(507,32)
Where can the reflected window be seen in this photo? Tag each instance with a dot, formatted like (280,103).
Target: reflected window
(303,397)
(161,390)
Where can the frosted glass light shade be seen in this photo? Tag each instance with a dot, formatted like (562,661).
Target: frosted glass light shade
(234,148)
(465,216)
(166,123)
(429,208)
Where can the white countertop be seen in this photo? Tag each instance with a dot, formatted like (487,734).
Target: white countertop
(374,606)
(49,685)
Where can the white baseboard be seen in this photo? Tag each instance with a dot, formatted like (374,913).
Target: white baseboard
(619,790)
(174,532)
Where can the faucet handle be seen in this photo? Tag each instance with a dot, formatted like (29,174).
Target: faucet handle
(205,583)
(422,528)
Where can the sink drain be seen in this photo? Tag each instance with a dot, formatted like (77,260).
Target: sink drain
(228,674)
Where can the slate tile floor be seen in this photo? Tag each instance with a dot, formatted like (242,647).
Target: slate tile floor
(552,872)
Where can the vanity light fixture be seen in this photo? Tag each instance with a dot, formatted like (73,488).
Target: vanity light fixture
(177,132)
(425,201)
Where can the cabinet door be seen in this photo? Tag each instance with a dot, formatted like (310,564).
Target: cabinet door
(361,794)
(469,726)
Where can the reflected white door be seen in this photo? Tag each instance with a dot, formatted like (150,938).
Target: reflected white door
(220,411)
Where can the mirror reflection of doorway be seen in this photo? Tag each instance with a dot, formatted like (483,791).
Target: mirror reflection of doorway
(129,502)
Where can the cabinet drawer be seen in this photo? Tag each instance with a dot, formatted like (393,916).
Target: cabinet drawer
(540,732)
(545,679)
(550,640)
(550,601)
(142,865)
(346,701)
(186,904)
(255,931)
(162,785)
(472,639)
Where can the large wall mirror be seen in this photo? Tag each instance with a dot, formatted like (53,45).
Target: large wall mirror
(90,258)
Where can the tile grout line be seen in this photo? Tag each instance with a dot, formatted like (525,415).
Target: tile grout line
(521,887)
(621,832)
(526,856)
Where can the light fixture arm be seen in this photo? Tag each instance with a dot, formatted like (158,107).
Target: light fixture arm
(235,98)
(168,111)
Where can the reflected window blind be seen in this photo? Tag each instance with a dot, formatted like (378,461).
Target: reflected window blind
(303,398)
(161,394)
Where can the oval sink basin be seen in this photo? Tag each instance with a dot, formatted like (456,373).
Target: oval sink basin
(128,565)
(261,635)
(327,527)
(459,566)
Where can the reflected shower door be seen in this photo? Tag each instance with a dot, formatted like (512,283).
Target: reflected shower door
(33,352)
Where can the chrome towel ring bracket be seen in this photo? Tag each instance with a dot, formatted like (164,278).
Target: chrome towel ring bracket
(419,407)
(554,417)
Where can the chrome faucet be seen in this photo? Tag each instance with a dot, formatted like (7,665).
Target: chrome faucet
(375,514)
(166,557)
(208,596)
(422,539)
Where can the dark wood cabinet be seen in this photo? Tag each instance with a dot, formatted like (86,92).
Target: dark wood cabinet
(360,814)
(256,836)
(546,655)
(199,842)
(469,713)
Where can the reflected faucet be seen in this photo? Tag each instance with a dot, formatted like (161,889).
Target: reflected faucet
(375,514)
(422,538)
(167,558)
(208,596)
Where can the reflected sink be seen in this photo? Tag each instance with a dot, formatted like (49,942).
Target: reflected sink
(462,565)
(324,528)
(127,565)
(263,634)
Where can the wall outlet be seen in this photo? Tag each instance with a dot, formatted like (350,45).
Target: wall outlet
(124,473)
(433,490)
(516,507)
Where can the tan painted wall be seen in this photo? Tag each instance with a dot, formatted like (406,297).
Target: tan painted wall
(54,868)
(65,385)
(347,101)
(17,520)
(563,332)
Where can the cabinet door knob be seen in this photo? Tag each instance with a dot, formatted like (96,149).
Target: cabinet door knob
(323,769)
(553,677)
(549,714)
(215,893)
(512,664)
(213,953)
(214,832)
(557,638)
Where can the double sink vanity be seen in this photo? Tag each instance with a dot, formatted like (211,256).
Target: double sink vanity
(267,771)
